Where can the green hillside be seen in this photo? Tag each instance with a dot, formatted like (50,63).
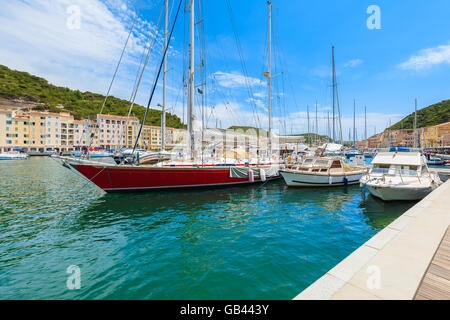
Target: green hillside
(430,116)
(311,137)
(22,85)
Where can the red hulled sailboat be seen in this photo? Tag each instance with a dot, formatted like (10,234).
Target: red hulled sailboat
(132,176)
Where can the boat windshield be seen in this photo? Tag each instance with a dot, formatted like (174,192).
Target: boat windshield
(308,161)
(321,163)
(392,170)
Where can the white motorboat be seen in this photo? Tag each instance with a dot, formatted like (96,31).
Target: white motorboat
(400,175)
(322,172)
(12,155)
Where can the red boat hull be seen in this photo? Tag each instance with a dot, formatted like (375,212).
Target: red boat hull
(121,179)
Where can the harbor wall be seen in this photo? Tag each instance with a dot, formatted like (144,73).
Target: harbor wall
(391,265)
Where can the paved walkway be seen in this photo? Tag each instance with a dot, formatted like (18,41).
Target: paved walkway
(392,264)
(436,283)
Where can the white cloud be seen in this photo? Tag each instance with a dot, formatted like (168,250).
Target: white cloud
(261,94)
(427,58)
(353,63)
(234,80)
(40,42)
(259,103)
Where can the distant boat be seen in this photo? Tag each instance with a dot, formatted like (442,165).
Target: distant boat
(371,153)
(350,153)
(400,174)
(435,162)
(94,153)
(322,172)
(13,155)
(100,154)
(443,156)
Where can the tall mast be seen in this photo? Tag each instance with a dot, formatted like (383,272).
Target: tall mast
(191,84)
(354,122)
(163,116)
(269,76)
(415,123)
(317,126)
(365,126)
(334,94)
(309,133)
(328,125)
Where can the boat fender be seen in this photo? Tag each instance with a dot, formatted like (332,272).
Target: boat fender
(250,176)
(345,181)
(262,174)
(330,180)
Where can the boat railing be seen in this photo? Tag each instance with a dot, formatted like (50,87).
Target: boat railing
(418,177)
(401,177)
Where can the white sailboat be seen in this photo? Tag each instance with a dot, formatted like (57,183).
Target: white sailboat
(400,174)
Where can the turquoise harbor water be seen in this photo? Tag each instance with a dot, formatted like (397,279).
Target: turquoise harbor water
(258,242)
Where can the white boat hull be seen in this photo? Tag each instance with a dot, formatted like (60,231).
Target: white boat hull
(297,179)
(399,192)
(13,156)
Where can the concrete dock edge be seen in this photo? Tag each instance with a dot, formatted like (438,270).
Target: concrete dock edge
(391,265)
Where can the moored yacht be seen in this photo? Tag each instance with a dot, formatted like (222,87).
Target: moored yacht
(322,172)
(13,155)
(400,174)
(192,171)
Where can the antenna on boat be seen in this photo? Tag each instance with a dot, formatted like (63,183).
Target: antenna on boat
(309,134)
(365,126)
(415,123)
(317,126)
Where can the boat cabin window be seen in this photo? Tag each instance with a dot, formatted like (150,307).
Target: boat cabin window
(380,168)
(321,163)
(409,170)
(308,161)
(336,164)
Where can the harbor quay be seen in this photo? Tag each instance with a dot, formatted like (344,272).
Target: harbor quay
(406,260)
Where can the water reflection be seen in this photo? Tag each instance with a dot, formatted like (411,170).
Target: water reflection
(247,242)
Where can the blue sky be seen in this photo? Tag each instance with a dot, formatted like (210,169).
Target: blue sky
(384,69)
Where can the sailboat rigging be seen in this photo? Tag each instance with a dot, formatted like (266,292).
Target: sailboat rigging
(133,176)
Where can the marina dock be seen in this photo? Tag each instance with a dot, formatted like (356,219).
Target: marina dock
(409,259)
(436,283)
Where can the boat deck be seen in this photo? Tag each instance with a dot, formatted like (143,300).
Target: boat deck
(435,284)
